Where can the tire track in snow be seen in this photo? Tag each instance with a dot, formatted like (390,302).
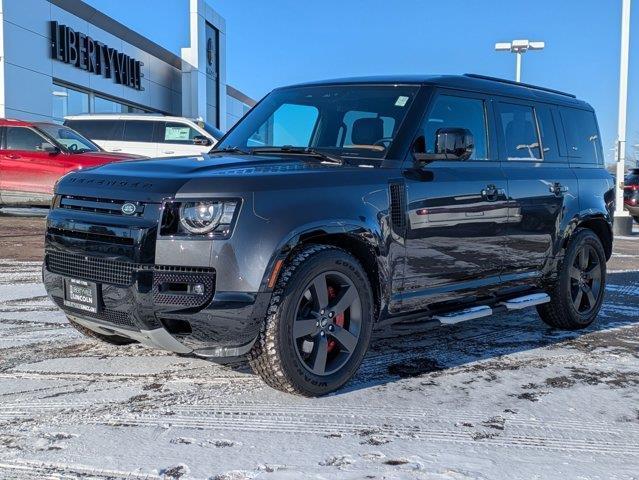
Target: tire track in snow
(25,470)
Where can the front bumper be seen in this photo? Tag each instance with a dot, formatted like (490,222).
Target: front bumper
(155,305)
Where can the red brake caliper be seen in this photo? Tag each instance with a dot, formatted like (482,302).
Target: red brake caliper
(339,319)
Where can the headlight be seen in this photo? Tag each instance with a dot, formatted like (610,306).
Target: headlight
(213,218)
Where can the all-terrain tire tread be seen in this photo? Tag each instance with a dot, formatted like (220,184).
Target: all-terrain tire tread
(555,313)
(263,357)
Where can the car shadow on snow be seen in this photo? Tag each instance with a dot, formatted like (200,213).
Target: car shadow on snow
(421,348)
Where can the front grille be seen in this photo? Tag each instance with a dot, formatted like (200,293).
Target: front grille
(103,206)
(120,319)
(96,237)
(94,269)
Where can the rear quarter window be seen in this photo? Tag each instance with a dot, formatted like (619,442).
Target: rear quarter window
(582,136)
(98,129)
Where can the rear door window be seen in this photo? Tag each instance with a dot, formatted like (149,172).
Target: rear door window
(582,136)
(138,131)
(98,129)
(519,130)
(25,139)
(176,132)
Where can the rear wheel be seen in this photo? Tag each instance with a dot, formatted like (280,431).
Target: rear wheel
(111,339)
(577,296)
(319,323)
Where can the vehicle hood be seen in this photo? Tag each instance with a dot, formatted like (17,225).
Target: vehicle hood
(108,156)
(155,179)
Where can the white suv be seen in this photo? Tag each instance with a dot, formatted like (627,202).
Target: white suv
(146,134)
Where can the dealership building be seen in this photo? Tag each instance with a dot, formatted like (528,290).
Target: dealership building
(64,57)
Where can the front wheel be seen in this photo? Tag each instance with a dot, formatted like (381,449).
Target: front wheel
(577,296)
(319,323)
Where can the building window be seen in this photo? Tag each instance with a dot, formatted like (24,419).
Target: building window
(68,101)
(103,105)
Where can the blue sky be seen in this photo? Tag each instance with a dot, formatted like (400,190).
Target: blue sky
(277,42)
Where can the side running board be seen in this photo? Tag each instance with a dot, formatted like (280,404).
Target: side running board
(526,301)
(485,311)
(463,315)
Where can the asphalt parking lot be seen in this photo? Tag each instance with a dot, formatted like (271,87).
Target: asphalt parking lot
(500,397)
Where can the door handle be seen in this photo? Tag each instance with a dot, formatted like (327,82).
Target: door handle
(491,193)
(168,152)
(557,188)
(116,149)
(12,156)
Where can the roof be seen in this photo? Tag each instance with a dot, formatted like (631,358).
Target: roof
(127,116)
(235,93)
(10,122)
(470,82)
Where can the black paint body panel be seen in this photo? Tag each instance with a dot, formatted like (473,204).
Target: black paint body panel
(430,236)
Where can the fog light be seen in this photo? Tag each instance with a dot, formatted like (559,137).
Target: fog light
(198,289)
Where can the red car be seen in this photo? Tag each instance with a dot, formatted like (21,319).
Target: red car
(33,155)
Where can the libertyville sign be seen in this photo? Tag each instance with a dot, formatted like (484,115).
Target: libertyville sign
(83,52)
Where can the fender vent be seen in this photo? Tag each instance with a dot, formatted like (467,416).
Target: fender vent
(398,207)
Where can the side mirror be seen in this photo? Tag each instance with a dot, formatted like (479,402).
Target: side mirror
(454,143)
(449,143)
(201,140)
(49,148)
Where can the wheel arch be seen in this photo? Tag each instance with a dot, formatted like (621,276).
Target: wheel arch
(361,241)
(601,226)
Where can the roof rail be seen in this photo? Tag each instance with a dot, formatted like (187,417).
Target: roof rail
(512,82)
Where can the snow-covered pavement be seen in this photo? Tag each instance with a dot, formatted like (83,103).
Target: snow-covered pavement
(501,397)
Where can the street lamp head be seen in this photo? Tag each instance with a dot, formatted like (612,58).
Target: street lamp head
(519,46)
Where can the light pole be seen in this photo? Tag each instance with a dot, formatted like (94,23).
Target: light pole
(519,47)
(623,221)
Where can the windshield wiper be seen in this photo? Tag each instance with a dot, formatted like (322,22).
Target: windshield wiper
(229,150)
(299,151)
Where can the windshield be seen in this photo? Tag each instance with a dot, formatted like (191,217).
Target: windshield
(343,120)
(67,138)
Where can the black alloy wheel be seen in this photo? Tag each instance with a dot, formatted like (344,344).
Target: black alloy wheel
(577,293)
(585,280)
(327,323)
(319,322)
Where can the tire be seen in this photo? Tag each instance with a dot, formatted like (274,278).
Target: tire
(569,309)
(289,352)
(110,339)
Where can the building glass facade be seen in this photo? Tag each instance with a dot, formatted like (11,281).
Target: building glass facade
(64,57)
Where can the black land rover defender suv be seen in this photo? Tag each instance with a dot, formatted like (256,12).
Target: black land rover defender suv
(332,208)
